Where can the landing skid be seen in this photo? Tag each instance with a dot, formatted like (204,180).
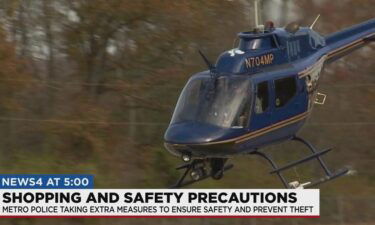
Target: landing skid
(198,170)
(315,155)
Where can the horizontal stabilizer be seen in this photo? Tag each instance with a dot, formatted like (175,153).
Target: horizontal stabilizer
(292,164)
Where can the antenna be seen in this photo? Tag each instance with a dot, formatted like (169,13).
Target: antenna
(209,64)
(316,20)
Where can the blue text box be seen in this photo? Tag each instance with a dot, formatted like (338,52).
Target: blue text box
(46,181)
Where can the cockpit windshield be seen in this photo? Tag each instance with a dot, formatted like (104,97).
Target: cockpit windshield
(224,101)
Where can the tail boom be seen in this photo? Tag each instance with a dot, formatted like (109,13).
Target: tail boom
(346,41)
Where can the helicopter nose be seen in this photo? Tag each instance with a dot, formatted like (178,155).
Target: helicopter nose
(193,133)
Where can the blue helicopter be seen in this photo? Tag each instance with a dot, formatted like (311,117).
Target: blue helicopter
(257,94)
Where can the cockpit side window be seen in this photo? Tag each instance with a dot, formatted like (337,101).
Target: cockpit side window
(261,101)
(243,115)
(285,89)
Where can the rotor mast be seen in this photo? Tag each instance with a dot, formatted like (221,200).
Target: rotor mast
(257,13)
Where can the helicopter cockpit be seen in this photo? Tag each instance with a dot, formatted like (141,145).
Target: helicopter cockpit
(223,101)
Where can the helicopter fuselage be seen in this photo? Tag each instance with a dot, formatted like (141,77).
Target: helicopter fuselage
(277,75)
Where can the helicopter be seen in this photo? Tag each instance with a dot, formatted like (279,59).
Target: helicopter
(258,94)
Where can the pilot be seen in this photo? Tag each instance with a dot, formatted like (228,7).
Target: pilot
(242,113)
(258,105)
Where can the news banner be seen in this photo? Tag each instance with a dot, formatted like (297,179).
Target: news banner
(73,195)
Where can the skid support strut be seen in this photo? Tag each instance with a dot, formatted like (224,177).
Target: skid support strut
(315,155)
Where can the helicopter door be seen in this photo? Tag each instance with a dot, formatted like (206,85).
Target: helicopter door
(261,116)
(288,101)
